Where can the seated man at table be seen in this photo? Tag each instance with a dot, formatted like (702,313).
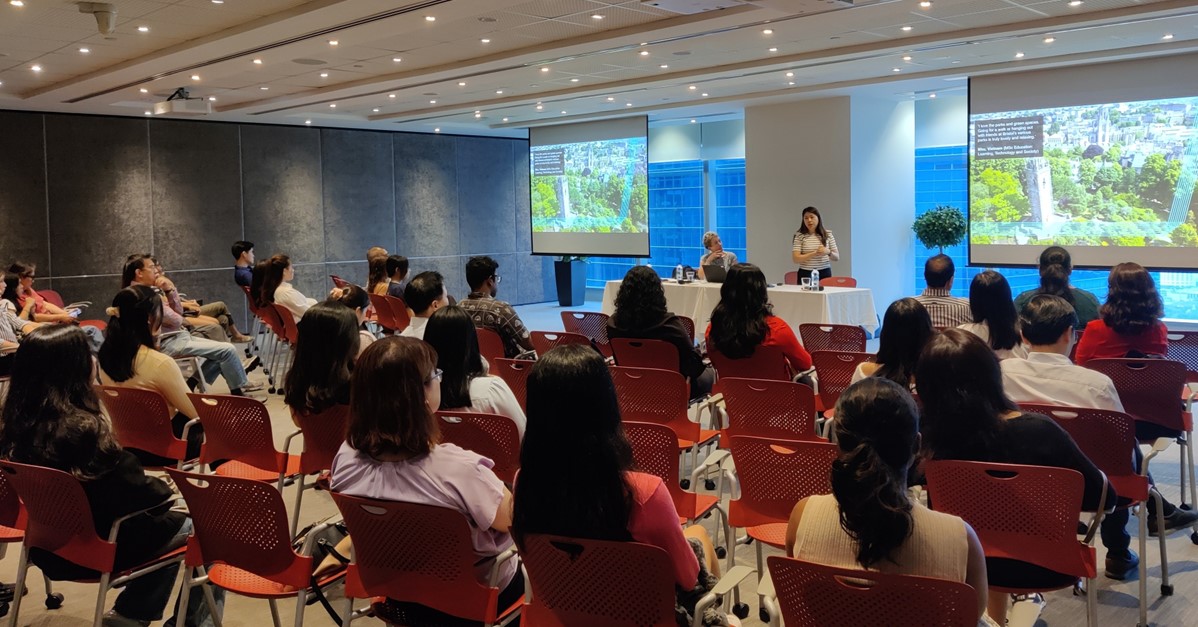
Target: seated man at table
(489,313)
(945,309)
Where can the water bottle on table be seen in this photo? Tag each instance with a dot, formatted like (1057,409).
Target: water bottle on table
(815,280)
(678,273)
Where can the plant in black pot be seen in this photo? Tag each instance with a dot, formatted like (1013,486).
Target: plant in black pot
(570,271)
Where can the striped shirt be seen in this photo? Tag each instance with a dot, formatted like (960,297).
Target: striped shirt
(945,309)
(804,243)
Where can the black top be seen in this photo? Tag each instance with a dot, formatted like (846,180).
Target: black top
(243,275)
(668,329)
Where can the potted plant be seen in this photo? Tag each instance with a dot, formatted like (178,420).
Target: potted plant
(940,227)
(570,271)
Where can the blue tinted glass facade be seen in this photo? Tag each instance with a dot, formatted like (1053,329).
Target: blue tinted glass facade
(728,178)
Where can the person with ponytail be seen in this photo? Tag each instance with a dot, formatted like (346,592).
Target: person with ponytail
(869,521)
(1055,268)
(276,287)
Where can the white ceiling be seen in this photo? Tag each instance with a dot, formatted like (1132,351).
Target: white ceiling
(394,69)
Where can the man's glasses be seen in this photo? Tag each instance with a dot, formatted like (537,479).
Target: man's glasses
(436,375)
(497,278)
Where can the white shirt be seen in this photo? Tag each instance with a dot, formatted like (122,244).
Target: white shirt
(1051,378)
(982,330)
(365,339)
(292,300)
(415,328)
(491,395)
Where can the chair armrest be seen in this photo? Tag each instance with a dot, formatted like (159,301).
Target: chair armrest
(1158,446)
(289,438)
(493,577)
(310,539)
(714,460)
(116,524)
(730,580)
(1096,520)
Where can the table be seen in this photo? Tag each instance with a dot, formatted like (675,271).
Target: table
(833,305)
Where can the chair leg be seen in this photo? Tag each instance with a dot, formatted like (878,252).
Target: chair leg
(1190,459)
(760,572)
(301,601)
(100,596)
(19,586)
(347,612)
(1091,603)
(1142,520)
(211,601)
(1166,587)
(185,593)
(299,498)
(274,613)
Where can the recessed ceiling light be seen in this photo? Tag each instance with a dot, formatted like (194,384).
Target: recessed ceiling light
(477,115)
(1167,36)
(143,29)
(1075,3)
(789,74)
(1018,55)
(430,18)
(768,31)
(148,113)
(907,58)
(692,88)
(144,90)
(211,98)
(704,94)
(897,69)
(926,4)
(324,74)
(540,107)
(563,112)
(907,29)
(931,95)
(627,104)
(16,3)
(432,102)
(461,83)
(505,119)
(1049,40)
(390,95)
(218,1)
(791,83)
(333,42)
(773,49)
(611,99)
(307,121)
(596,17)
(664,66)
(195,77)
(85,50)
(333,106)
(257,61)
(264,88)
(693,120)
(499,92)
(545,69)
(437,130)
(485,40)
(574,80)
(644,53)
(375,110)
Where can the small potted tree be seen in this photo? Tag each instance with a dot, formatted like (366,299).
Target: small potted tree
(940,227)
(570,273)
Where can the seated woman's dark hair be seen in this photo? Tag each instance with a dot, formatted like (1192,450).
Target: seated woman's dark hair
(272,277)
(574,456)
(324,357)
(641,301)
(960,387)
(1055,267)
(738,324)
(135,317)
(354,297)
(906,328)
(1132,305)
(257,278)
(990,302)
(387,410)
(877,425)
(52,416)
(397,263)
(450,331)
(9,293)
(376,272)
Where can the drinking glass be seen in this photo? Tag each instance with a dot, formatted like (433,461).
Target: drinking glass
(805,282)
(690,275)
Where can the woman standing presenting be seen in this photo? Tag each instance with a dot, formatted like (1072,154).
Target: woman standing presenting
(814,248)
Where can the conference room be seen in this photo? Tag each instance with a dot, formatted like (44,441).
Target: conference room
(778,169)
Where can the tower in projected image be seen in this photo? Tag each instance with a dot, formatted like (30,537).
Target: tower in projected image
(1038,175)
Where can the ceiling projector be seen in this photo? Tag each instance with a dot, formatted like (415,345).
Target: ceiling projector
(180,104)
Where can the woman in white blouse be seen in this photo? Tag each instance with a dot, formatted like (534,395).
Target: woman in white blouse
(995,320)
(813,247)
(277,288)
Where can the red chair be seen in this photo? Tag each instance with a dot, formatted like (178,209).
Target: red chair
(1024,513)
(323,435)
(490,435)
(290,336)
(431,562)
(780,410)
(237,429)
(833,371)
(688,324)
(655,452)
(545,341)
(490,345)
(838,281)
(832,337)
(645,353)
(275,343)
(13,519)
(141,420)
(791,278)
(1183,347)
(766,362)
(339,282)
(514,373)
(590,324)
(383,313)
(814,595)
(60,522)
(399,311)
(257,326)
(241,531)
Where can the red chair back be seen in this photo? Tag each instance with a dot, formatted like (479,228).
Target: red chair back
(237,428)
(1150,389)
(597,583)
(791,278)
(490,345)
(141,419)
(287,319)
(767,362)
(1108,438)
(776,474)
(490,435)
(655,396)
(272,320)
(384,314)
(323,435)
(768,409)
(12,513)
(688,324)
(339,282)
(838,281)
(834,369)
(545,341)
(241,523)
(1183,347)
(431,562)
(1041,530)
(399,311)
(590,324)
(814,595)
(514,373)
(645,353)
(53,297)
(59,516)
(655,452)
(832,337)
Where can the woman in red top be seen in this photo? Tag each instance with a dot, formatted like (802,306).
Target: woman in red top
(1129,323)
(743,320)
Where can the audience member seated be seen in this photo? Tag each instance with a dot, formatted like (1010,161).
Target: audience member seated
(243,254)
(377,279)
(10,298)
(215,310)
(424,295)
(945,309)
(397,273)
(967,416)
(906,328)
(743,320)
(392,453)
(358,301)
(324,358)
(199,323)
(465,384)
(11,329)
(1055,268)
(577,477)
(29,304)
(994,318)
(489,313)
(715,255)
(869,521)
(1048,377)
(1129,323)
(14,287)
(277,289)
(219,358)
(52,418)
(641,314)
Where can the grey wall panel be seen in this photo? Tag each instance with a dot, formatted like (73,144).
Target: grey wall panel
(352,271)
(281,191)
(99,182)
(452,268)
(23,229)
(486,197)
(536,279)
(359,195)
(509,269)
(426,195)
(523,203)
(98,289)
(313,281)
(196,181)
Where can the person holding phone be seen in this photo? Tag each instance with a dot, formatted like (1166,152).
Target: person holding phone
(813,247)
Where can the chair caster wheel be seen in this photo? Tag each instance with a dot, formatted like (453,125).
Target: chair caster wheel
(685,483)
(741,610)
(271,389)
(3,608)
(709,484)
(279,391)
(763,615)
(721,552)
(1194,537)
(54,601)
(1167,590)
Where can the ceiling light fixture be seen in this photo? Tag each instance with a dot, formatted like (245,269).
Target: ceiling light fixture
(773,49)
(563,112)
(324,74)
(148,113)
(432,102)
(1049,40)
(498,92)
(143,29)
(627,104)
(375,110)
(430,18)
(218,1)
(931,95)
(333,42)
(611,99)
(1018,55)
(264,88)
(907,29)
(791,83)
(505,119)
(84,50)
(644,53)
(664,66)
(437,130)
(704,94)
(1075,3)
(789,74)
(545,69)
(907,58)
(692,88)
(211,98)
(596,17)
(1167,36)
(333,106)
(485,40)
(478,115)
(257,61)
(693,120)
(36,68)
(768,31)
(574,80)
(897,69)
(461,83)
(926,4)
(195,77)
(540,107)
(307,121)
(16,3)
(390,95)
(144,90)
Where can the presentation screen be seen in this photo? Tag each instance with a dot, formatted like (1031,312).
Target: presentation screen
(590,188)
(1109,173)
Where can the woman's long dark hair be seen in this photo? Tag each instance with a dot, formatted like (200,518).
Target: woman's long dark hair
(52,416)
(136,315)
(738,322)
(450,331)
(960,387)
(387,411)
(1132,305)
(377,273)
(1055,267)
(324,357)
(257,278)
(876,428)
(272,276)
(906,328)
(819,228)
(641,301)
(990,302)
(574,439)
(11,282)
